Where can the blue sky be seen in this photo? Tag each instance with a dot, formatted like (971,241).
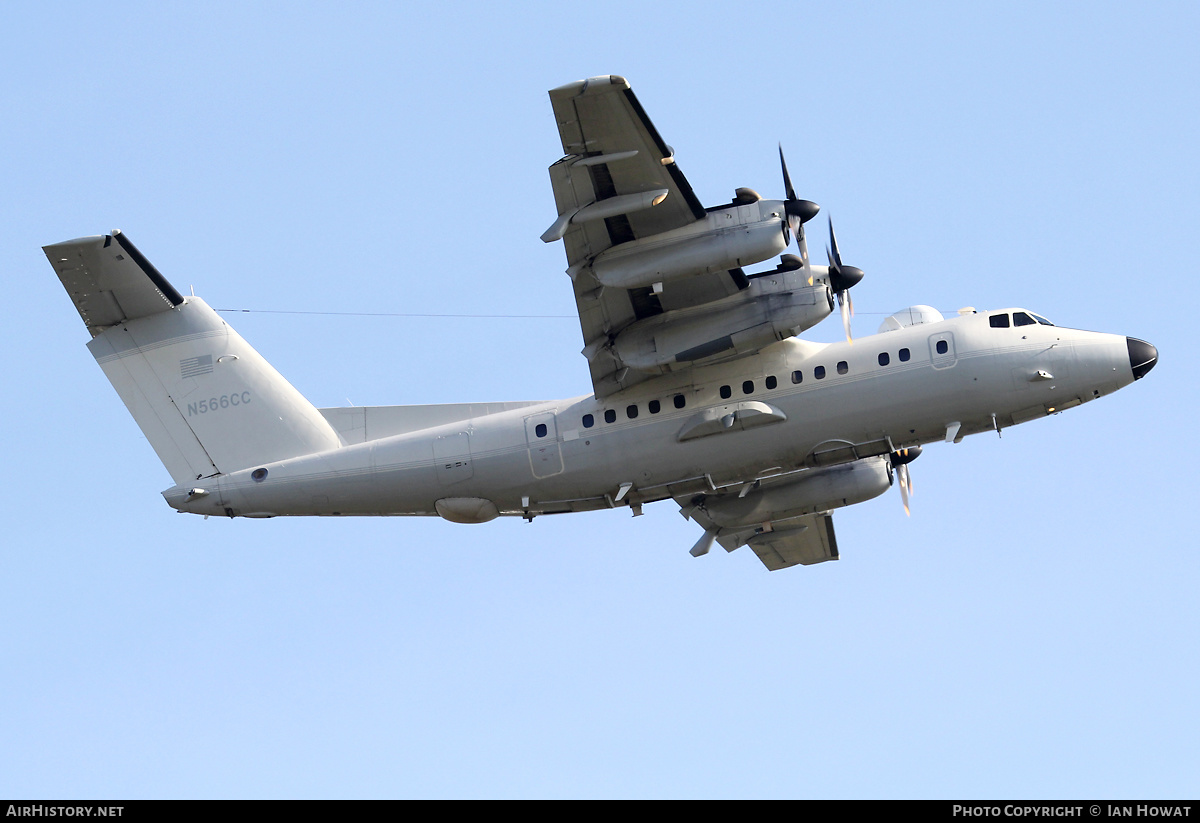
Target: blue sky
(1029,631)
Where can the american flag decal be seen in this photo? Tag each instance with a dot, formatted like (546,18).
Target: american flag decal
(196,366)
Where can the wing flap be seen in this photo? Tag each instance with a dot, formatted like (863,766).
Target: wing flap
(807,540)
(109,280)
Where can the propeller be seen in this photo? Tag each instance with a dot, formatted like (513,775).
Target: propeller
(841,279)
(798,211)
(900,460)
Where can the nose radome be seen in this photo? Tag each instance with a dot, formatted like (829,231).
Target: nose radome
(1142,357)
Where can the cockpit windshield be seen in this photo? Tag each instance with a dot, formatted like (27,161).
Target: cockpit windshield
(1003,320)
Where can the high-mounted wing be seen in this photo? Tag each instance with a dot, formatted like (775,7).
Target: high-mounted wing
(658,278)
(618,183)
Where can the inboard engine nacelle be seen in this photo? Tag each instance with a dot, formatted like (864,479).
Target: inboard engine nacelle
(814,491)
(772,311)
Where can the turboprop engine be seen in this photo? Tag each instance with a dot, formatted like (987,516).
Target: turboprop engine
(749,230)
(740,234)
(778,304)
(813,491)
(734,519)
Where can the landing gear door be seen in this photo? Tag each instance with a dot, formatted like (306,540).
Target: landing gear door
(541,432)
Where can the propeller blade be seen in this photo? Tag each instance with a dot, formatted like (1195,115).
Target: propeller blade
(798,211)
(900,460)
(844,301)
(835,257)
(841,279)
(789,191)
(797,226)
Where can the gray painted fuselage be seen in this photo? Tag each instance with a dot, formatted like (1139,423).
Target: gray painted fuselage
(988,378)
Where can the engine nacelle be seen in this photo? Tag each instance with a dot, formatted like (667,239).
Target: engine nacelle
(746,323)
(813,491)
(733,236)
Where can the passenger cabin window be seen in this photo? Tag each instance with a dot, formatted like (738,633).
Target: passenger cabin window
(631,411)
(884,358)
(797,376)
(748,387)
(843,367)
(1020,318)
(999,321)
(610,415)
(655,407)
(588,421)
(540,431)
(904,355)
(726,392)
(771,382)
(819,372)
(942,347)
(680,401)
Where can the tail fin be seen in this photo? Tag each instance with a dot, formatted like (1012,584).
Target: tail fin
(205,399)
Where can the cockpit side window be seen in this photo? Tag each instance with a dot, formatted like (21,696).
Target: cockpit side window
(1020,318)
(999,321)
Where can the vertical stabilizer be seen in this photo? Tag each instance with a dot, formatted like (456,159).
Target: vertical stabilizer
(205,399)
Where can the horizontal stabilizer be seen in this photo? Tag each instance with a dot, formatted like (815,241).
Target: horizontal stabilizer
(110,281)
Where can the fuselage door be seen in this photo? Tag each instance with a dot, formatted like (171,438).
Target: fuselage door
(541,432)
(452,456)
(941,350)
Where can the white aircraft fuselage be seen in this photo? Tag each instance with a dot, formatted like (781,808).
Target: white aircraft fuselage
(989,378)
